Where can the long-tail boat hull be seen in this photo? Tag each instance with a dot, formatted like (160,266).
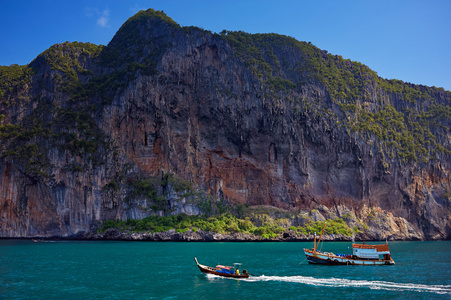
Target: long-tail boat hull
(210,270)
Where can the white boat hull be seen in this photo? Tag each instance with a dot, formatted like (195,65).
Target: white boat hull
(315,257)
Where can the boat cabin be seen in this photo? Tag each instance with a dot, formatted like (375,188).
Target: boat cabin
(371,251)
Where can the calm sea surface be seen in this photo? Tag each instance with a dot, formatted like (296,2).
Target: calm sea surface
(166,270)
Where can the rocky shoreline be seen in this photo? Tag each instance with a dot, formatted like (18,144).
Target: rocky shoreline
(202,236)
(113,234)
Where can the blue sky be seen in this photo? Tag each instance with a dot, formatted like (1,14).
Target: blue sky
(408,40)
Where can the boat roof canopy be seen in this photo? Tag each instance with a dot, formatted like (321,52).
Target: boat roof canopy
(224,267)
(379,248)
(235,265)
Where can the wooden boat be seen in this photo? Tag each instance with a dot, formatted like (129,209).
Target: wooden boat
(224,271)
(362,254)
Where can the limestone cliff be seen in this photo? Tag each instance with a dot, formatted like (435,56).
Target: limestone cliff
(91,133)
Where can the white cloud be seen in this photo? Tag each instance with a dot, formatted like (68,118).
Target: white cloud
(102,16)
(102,20)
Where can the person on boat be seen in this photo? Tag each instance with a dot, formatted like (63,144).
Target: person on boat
(238,271)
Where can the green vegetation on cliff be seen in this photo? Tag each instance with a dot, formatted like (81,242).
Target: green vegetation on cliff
(25,142)
(72,60)
(14,80)
(407,135)
(133,48)
(259,225)
(68,126)
(29,142)
(258,53)
(416,129)
(159,195)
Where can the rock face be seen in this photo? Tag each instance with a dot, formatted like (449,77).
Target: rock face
(271,129)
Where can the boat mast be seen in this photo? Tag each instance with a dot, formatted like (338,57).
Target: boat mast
(320,237)
(314,242)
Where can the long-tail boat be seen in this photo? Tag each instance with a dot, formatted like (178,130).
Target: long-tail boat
(362,254)
(224,271)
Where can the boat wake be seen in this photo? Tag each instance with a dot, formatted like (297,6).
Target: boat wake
(340,282)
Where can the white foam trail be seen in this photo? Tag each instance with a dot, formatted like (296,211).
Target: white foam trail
(339,282)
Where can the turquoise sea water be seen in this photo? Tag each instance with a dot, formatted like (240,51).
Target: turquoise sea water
(166,270)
